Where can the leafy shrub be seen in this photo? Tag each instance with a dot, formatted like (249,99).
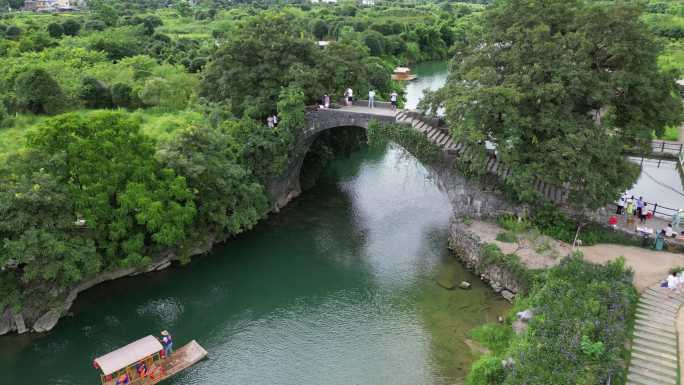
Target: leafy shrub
(507,236)
(38,92)
(412,140)
(486,371)
(513,223)
(578,334)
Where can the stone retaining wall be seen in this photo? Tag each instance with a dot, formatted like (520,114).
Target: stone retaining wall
(468,248)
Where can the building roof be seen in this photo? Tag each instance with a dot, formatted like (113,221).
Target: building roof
(128,355)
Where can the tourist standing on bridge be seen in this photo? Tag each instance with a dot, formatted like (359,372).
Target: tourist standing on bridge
(326,101)
(349,96)
(371,98)
(269,121)
(393,100)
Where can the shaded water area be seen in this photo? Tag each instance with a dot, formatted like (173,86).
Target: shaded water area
(339,288)
(431,75)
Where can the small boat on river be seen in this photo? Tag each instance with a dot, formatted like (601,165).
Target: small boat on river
(142,362)
(403,74)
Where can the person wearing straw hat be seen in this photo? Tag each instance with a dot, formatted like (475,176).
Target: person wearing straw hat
(167,343)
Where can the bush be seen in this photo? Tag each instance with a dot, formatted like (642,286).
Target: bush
(71,27)
(13,32)
(513,223)
(55,30)
(507,236)
(38,92)
(486,371)
(578,333)
(123,96)
(94,93)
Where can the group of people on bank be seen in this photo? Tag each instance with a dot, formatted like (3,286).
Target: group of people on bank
(631,207)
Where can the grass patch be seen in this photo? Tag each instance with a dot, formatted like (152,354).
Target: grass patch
(507,236)
(161,125)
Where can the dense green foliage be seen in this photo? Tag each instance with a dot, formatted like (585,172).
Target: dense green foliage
(577,335)
(561,87)
(412,140)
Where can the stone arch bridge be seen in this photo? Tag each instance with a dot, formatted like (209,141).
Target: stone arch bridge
(466,196)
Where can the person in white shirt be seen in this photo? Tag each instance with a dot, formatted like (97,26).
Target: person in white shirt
(393,99)
(672,283)
(371,99)
(349,95)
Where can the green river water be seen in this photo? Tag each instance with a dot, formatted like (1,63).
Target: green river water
(338,288)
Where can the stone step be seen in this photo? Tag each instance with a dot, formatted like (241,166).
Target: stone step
(654,354)
(660,298)
(654,347)
(666,364)
(656,313)
(449,143)
(490,164)
(648,378)
(665,293)
(668,374)
(672,307)
(649,324)
(497,164)
(657,309)
(654,331)
(447,138)
(656,339)
(437,138)
(432,133)
(651,321)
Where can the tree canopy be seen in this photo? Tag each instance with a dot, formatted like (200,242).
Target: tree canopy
(561,87)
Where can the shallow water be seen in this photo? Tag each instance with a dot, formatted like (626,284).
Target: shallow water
(339,288)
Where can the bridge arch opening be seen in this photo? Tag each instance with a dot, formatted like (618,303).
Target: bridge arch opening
(328,144)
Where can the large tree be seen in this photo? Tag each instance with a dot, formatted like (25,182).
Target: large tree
(132,207)
(251,67)
(561,87)
(228,199)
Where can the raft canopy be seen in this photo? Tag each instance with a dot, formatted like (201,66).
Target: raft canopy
(128,355)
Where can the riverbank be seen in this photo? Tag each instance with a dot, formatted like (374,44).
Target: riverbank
(541,252)
(345,273)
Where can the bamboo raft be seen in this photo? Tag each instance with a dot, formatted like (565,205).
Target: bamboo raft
(144,351)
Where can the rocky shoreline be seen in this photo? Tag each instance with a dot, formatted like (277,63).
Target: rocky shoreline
(468,248)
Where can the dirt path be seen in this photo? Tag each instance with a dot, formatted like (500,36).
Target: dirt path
(537,251)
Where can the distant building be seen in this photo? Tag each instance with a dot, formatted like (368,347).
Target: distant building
(324,1)
(368,3)
(50,5)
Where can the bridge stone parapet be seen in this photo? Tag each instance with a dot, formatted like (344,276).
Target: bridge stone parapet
(327,118)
